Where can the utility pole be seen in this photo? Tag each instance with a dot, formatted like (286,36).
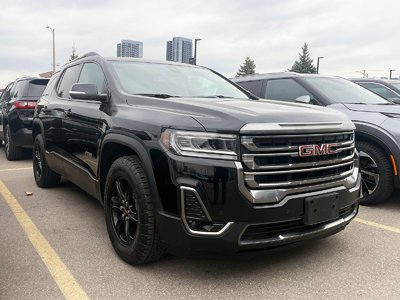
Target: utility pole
(318,58)
(364,74)
(54,47)
(195,51)
(390,76)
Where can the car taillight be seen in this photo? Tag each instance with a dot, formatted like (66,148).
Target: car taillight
(23,104)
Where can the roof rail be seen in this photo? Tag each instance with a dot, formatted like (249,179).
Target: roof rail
(89,54)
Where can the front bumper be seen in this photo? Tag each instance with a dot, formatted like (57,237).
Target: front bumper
(217,184)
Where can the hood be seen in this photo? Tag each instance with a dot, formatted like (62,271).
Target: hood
(230,115)
(389,108)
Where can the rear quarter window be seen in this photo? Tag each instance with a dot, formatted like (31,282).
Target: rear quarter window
(36,87)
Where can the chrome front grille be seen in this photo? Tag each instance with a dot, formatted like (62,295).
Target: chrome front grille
(273,161)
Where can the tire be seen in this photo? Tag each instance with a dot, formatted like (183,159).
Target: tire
(44,176)
(127,200)
(375,167)
(12,152)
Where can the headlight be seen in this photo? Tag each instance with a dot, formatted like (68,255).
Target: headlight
(390,115)
(200,144)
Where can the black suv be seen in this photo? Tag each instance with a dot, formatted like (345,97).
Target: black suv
(186,162)
(17,104)
(377,121)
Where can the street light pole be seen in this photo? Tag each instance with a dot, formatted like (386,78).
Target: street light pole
(54,47)
(390,76)
(318,58)
(195,51)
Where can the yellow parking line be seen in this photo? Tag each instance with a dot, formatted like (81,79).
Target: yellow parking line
(381,226)
(15,169)
(58,270)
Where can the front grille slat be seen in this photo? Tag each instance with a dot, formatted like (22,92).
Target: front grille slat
(267,231)
(273,161)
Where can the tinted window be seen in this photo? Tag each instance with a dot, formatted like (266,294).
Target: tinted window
(6,95)
(18,89)
(174,80)
(36,87)
(379,89)
(339,90)
(68,79)
(284,89)
(50,85)
(253,87)
(92,73)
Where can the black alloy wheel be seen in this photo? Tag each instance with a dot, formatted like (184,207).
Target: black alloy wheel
(369,174)
(124,211)
(376,173)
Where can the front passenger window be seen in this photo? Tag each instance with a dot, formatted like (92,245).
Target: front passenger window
(284,89)
(92,73)
(69,78)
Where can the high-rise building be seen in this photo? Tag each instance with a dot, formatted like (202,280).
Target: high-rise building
(128,48)
(180,49)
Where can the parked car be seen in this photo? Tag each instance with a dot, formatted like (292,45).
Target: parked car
(17,104)
(376,119)
(185,161)
(388,89)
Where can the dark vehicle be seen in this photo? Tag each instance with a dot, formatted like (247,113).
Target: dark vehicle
(388,89)
(186,162)
(377,121)
(17,104)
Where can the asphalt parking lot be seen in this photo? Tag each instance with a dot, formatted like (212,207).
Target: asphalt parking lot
(73,258)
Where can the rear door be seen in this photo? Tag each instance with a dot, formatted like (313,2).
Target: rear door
(82,122)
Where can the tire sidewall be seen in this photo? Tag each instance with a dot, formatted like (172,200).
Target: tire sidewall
(124,251)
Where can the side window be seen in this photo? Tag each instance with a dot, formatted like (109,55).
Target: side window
(284,89)
(92,73)
(50,86)
(18,89)
(379,89)
(69,78)
(253,87)
(6,95)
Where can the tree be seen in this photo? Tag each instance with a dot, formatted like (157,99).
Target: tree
(73,55)
(305,64)
(248,67)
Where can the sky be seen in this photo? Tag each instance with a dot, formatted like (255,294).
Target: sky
(351,35)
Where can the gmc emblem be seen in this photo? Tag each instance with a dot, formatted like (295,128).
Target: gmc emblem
(316,150)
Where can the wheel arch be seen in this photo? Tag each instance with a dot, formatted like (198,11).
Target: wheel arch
(116,145)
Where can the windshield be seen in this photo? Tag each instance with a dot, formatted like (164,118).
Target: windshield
(340,90)
(156,79)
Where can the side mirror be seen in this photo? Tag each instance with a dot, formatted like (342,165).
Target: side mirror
(86,91)
(304,99)
(394,100)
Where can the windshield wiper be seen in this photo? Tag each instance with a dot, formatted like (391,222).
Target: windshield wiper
(212,96)
(163,96)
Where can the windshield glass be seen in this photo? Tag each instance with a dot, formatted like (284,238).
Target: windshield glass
(173,80)
(340,90)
